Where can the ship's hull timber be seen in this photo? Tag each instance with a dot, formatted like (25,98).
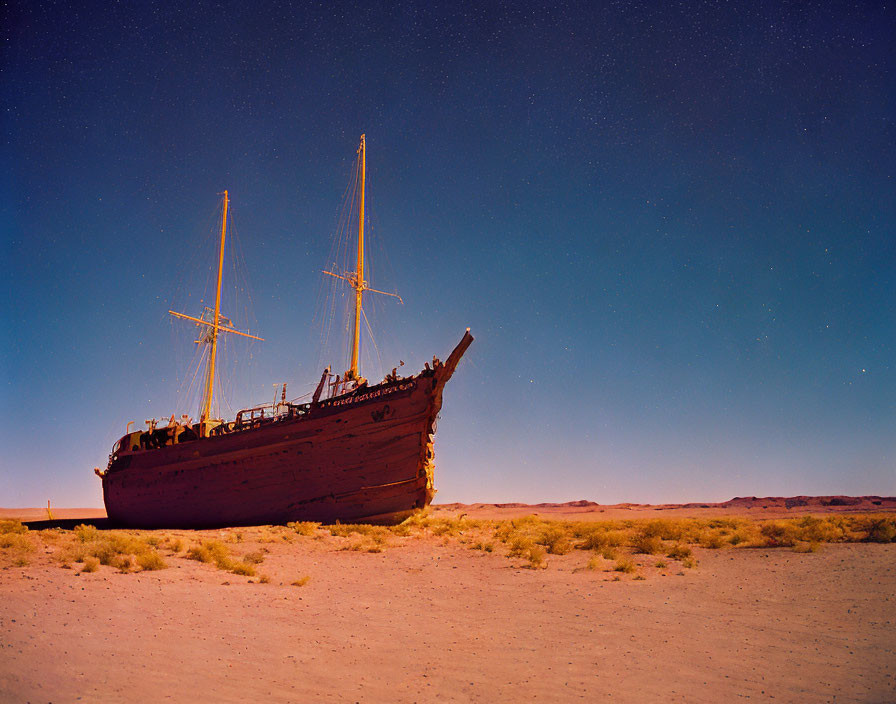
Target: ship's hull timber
(360,457)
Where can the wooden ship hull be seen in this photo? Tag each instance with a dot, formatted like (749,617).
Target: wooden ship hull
(363,456)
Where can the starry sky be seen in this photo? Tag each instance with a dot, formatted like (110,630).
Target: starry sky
(670,227)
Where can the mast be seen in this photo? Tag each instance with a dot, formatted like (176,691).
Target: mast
(210,328)
(359,273)
(355,279)
(207,404)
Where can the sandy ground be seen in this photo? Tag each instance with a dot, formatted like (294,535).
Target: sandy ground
(428,621)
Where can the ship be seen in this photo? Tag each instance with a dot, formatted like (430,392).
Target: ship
(355,452)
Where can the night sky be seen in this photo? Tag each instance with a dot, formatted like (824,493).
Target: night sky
(670,227)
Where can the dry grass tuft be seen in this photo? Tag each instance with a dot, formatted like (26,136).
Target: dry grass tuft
(241,568)
(647,544)
(881,530)
(215,552)
(807,547)
(713,540)
(555,540)
(594,563)
(16,542)
(623,564)
(679,552)
(150,561)
(12,526)
(304,527)
(535,558)
(301,581)
(86,533)
(91,564)
(175,545)
(254,558)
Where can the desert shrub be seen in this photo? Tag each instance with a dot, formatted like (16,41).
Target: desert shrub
(111,548)
(86,533)
(91,564)
(12,526)
(661,565)
(356,546)
(209,551)
(175,545)
(304,527)
(881,530)
(480,545)
(150,560)
(820,530)
(264,579)
(594,563)
(594,539)
(380,534)
(807,547)
(647,544)
(623,564)
(609,553)
(505,531)
(301,581)
(555,540)
(519,546)
(779,534)
(401,529)
(535,557)
(712,540)
(664,529)
(16,542)
(679,552)
(445,526)
(254,558)
(617,538)
(123,563)
(737,538)
(340,530)
(242,568)
(212,551)
(689,562)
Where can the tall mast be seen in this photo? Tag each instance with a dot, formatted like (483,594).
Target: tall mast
(207,405)
(359,273)
(355,279)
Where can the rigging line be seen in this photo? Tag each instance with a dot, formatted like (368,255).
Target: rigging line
(194,365)
(337,250)
(189,266)
(342,257)
(241,276)
(373,342)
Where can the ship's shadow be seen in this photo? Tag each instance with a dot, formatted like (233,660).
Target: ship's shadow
(70,523)
(108,524)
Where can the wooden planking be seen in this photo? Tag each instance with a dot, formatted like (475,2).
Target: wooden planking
(320,458)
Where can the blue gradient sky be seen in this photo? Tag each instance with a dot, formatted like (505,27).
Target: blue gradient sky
(670,227)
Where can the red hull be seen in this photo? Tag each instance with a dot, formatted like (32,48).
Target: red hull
(366,456)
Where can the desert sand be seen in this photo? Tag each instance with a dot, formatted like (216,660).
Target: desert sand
(429,619)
